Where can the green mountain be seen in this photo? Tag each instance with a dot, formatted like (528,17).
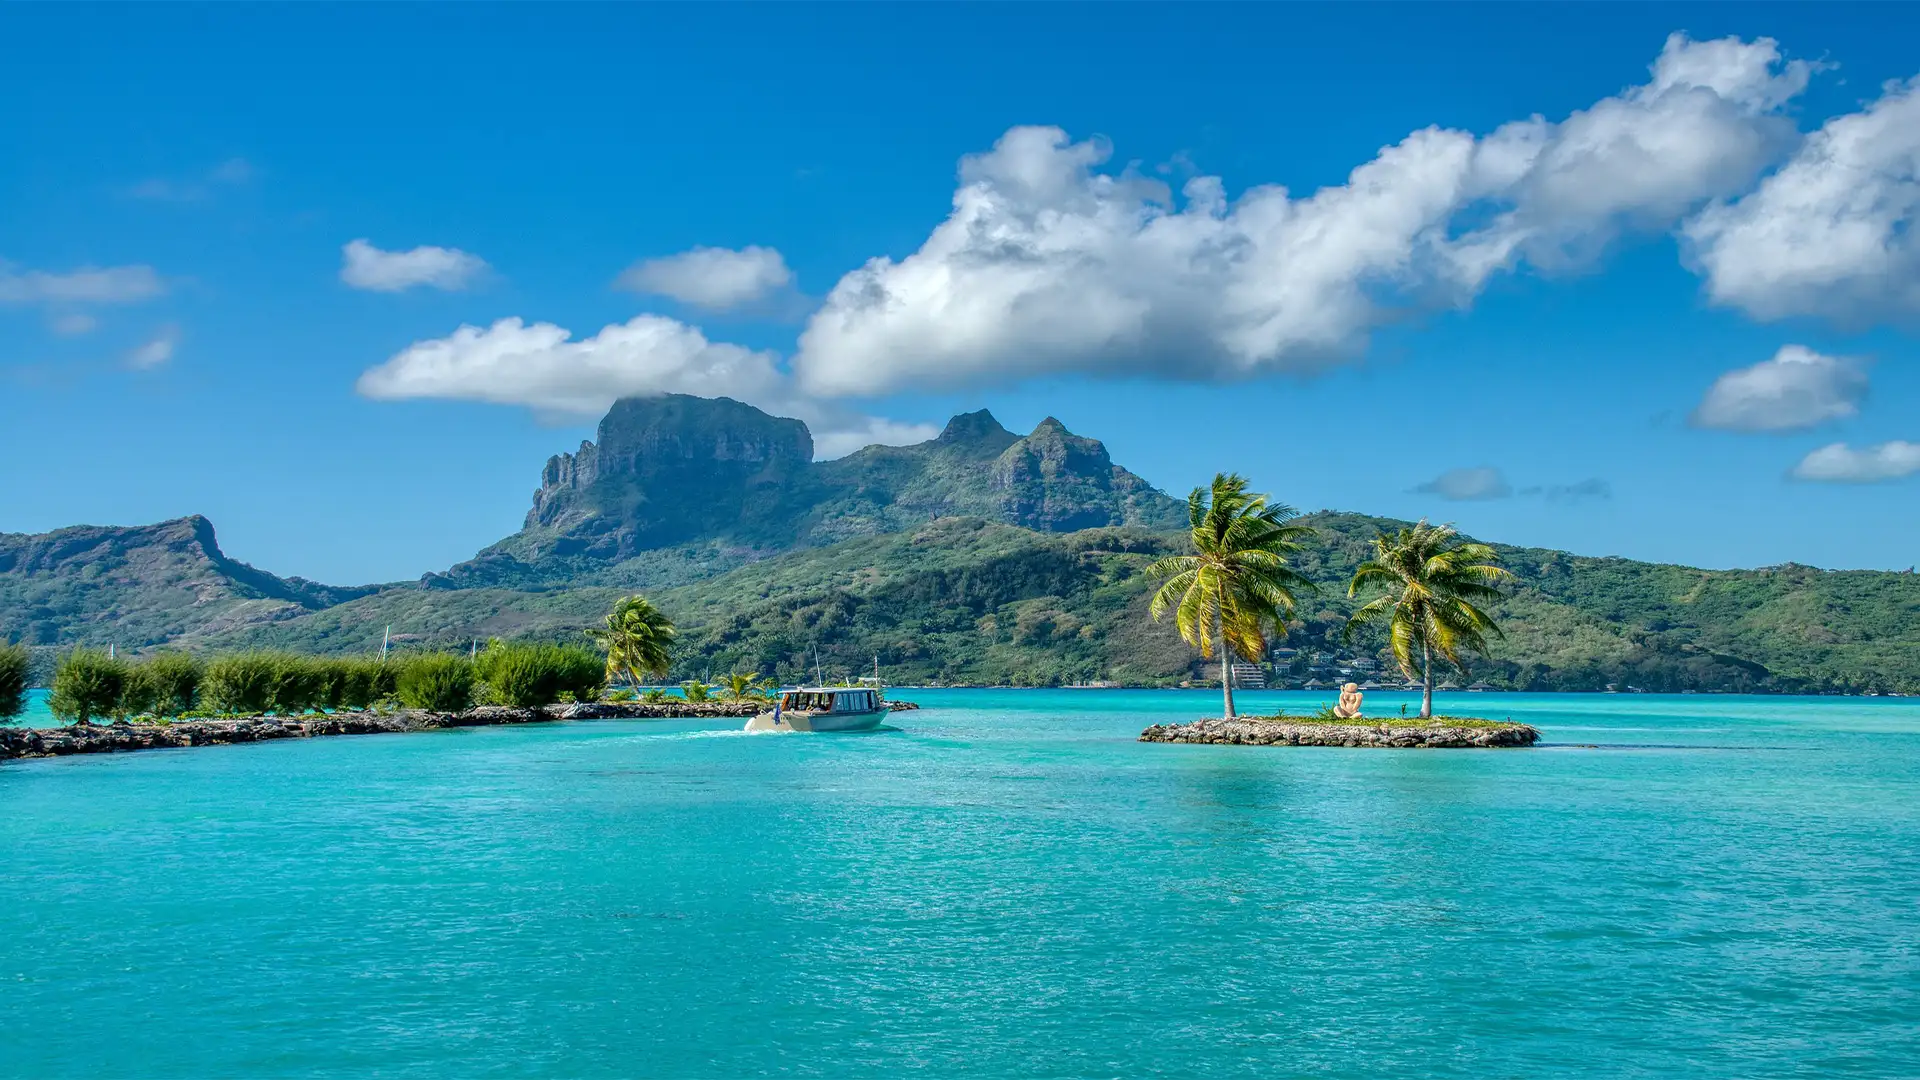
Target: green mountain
(678,487)
(140,586)
(979,556)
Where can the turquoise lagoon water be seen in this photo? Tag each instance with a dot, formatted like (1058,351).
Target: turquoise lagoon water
(1006,885)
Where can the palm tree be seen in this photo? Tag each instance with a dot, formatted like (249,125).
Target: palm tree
(638,640)
(1434,585)
(1237,581)
(741,685)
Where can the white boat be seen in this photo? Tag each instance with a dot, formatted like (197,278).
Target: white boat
(823,708)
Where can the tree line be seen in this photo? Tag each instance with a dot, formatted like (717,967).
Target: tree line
(635,643)
(89,685)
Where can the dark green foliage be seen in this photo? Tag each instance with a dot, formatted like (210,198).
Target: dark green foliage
(527,675)
(245,683)
(359,682)
(300,684)
(16,667)
(88,685)
(140,694)
(173,680)
(437,682)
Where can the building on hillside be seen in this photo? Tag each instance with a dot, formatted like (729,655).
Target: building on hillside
(1249,676)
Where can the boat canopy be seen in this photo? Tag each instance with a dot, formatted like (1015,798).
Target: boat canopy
(838,699)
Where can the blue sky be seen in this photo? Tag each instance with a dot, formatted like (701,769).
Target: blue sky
(1672,318)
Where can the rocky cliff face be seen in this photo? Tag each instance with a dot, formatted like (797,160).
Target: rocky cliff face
(667,470)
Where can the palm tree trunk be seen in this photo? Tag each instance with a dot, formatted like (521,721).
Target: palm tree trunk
(1426,692)
(1226,667)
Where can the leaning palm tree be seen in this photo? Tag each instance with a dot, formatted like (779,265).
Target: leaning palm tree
(1237,582)
(742,685)
(638,640)
(1434,584)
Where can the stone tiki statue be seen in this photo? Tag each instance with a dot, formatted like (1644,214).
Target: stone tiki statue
(1349,707)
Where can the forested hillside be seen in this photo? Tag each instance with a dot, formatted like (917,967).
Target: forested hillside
(963,600)
(979,556)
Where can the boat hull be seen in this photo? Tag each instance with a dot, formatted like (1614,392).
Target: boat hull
(812,721)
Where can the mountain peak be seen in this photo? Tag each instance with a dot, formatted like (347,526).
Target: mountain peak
(697,420)
(1050,426)
(972,427)
(669,469)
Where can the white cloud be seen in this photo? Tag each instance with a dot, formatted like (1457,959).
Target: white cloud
(86,285)
(1840,463)
(364,266)
(1467,485)
(837,433)
(1046,264)
(156,350)
(1798,388)
(1835,232)
(541,366)
(73,324)
(712,278)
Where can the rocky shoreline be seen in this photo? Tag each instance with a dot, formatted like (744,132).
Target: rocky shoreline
(122,736)
(1255,731)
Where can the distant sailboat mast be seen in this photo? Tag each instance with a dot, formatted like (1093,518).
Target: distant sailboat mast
(384,639)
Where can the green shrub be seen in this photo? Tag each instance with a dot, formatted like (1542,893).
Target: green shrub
(299,684)
(622,694)
(438,682)
(695,690)
(88,684)
(174,679)
(139,694)
(16,666)
(529,675)
(244,683)
(580,671)
(654,696)
(330,682)
(358,682)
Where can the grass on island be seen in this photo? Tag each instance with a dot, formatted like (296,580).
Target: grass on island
(1326,717)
